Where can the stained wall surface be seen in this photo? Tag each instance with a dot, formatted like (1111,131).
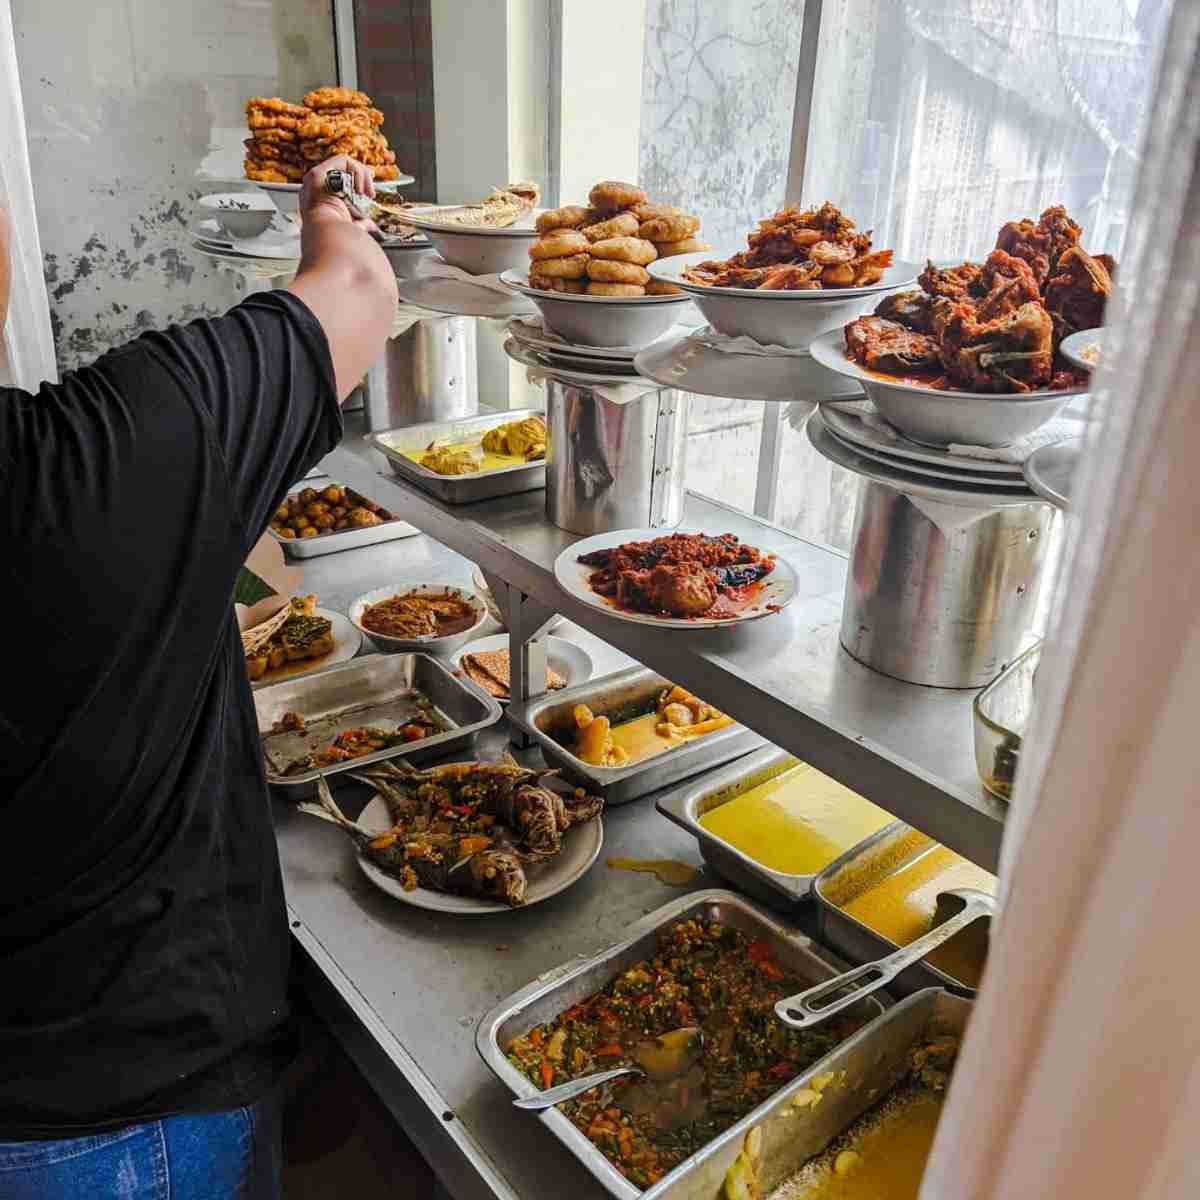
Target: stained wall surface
(125,100)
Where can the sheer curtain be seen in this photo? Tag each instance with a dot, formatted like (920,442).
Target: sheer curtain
(1080,1074)
(27,345)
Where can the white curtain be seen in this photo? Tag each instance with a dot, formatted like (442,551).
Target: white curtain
(27,344)
(1080,1075)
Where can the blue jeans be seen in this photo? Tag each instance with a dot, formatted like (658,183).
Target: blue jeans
(231,1155)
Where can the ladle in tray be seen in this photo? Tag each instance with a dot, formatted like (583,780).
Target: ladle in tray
(665,1057)
(956,909)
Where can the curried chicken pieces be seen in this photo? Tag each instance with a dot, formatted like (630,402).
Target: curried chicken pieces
(883,345)
(1040,245)
(993,326)
(799,251)
(1011,353)
(1077,293)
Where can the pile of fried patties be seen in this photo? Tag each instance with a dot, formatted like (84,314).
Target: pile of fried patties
(602,250)
(287,139)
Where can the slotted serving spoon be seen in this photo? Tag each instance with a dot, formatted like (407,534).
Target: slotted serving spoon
(665,1057)
(956,909)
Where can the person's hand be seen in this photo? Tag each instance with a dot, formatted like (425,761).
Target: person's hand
(314,198)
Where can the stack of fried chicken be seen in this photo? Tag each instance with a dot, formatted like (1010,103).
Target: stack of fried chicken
(603,249)
(799,251)
(993,326)
(286,139)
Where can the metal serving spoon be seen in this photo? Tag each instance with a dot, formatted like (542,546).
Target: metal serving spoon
(956,909)
(665,1057)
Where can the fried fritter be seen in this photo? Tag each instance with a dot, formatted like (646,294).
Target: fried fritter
(258,119)
(288,151)
(336,97)
(571,266)
(275,171)
(669,227)
(660,287)
(604,270)
(275,134)
(624,224)
(273,104)
(570,216)
(625,249)
(611,195)
(334,123)
(558,243)
(547,283)
(385,173)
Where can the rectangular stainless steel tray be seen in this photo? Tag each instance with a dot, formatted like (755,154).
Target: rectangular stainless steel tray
(366,691)
(874,1060)
(558,989)
(458,489)
(548,717)
(858,942)
(343,539)
(686,805)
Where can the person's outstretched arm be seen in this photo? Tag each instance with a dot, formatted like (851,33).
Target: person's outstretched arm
(344,277)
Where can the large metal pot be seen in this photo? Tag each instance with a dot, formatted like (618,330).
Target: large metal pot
(941,593)
(614,465)
(944,580)
(426,373)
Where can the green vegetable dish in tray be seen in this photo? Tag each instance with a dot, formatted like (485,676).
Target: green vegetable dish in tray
(705,974)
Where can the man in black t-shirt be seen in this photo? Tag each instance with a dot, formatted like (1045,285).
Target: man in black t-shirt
(143,939)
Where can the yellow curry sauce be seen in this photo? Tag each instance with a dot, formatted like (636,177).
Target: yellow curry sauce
(462,458)
(886,1159)
(798,822)
(677,717)
(899,903)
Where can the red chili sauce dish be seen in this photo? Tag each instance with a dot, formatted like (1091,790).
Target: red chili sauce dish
(682,575)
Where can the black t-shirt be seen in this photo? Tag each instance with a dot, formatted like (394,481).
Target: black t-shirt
(143,936)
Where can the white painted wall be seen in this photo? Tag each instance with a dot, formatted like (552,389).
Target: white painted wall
(124,101)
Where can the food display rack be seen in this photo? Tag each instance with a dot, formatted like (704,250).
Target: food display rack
(402,989)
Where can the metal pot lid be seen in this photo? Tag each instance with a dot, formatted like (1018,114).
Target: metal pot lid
(1051,471)
(963,495)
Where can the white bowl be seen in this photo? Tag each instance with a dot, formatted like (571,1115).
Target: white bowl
(480,251)
(240,214)
(940,418)
(778,318)
(633,321)
(429,645)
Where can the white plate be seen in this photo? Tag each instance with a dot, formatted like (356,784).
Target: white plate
(456,298)
(347,641)
(272,244)
(609,375)
(970,495)
(779,588)
(862,438)
(688,364)
(271,265)
(1084,349)
(572,662)
(581,848)
(778,318)
(1051,470)
(945,474)
(622,321)
(531,332)
(670,270)
(427,219)
(942,417)
(427,645)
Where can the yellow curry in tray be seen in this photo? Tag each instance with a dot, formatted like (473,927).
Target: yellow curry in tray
(511,445)
(895,894)
(797,822)
(677,717)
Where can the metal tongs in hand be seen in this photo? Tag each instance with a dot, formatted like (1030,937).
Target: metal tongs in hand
(341,184)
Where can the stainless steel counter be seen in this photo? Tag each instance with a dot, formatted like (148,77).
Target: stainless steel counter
(906,747)
(403,988)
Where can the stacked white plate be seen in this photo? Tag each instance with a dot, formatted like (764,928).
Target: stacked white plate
(937,467)
(278,246)
(533,337)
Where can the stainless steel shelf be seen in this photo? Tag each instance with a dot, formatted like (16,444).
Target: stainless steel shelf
(906,747)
